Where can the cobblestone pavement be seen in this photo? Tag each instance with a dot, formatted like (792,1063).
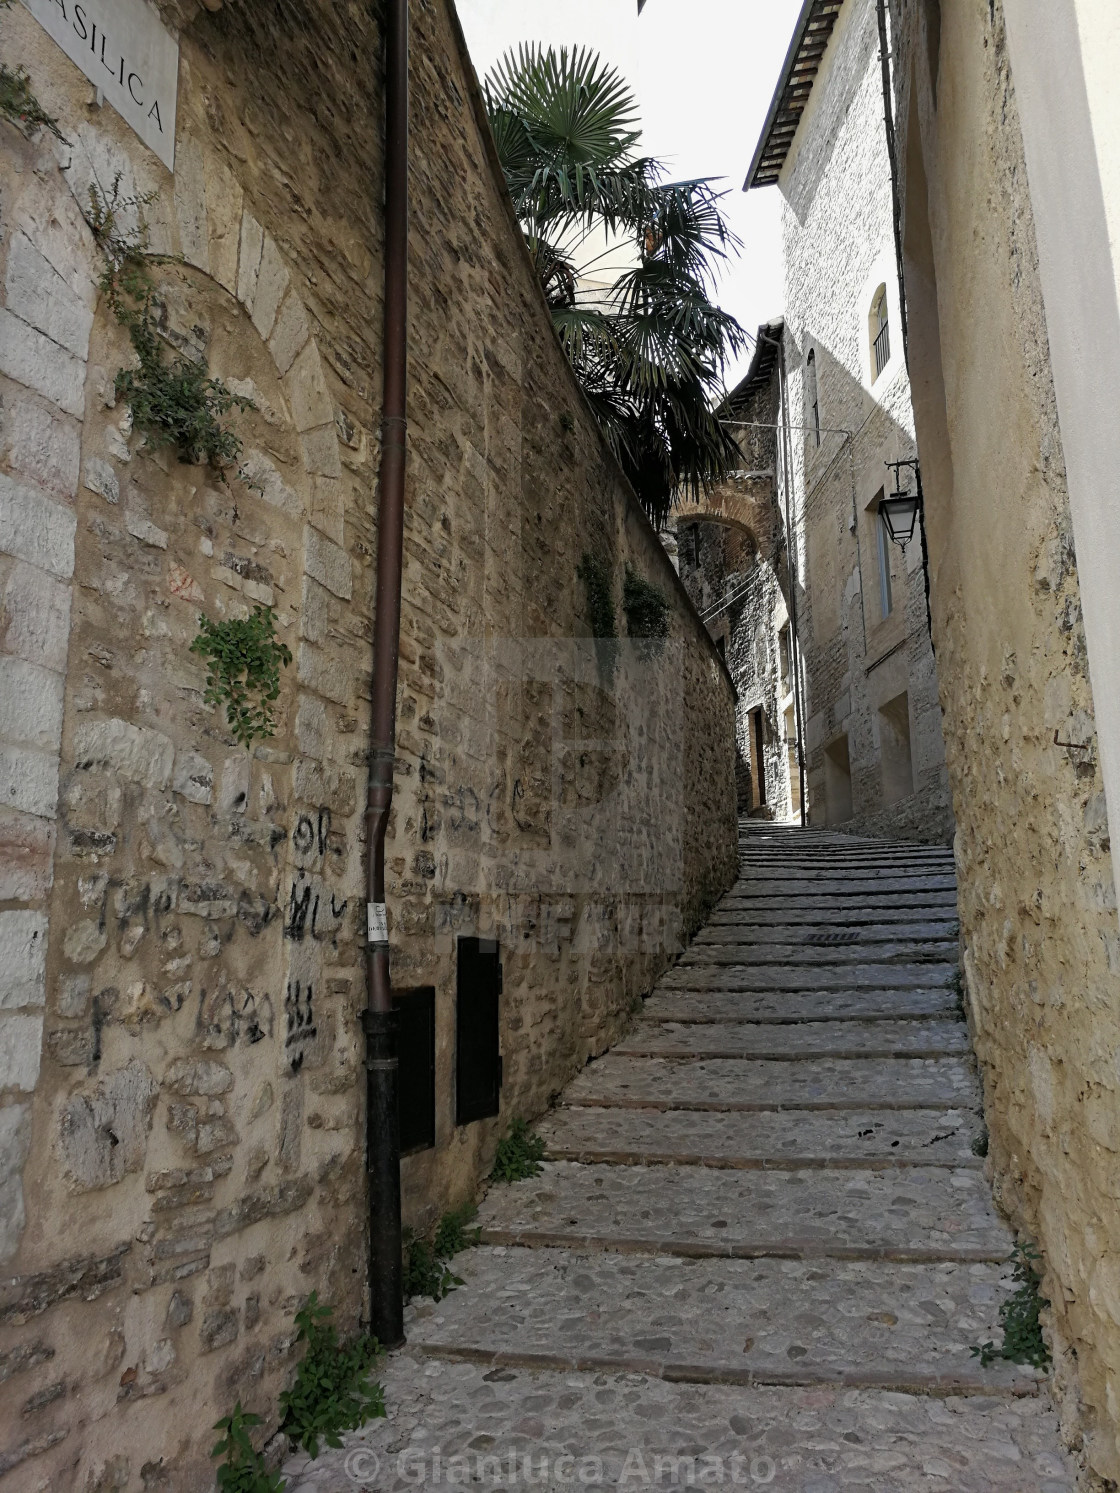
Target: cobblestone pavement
(761,1246)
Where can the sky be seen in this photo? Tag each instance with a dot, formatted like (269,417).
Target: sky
(704,73)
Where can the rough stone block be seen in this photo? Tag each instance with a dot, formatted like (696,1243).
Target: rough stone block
(36,617)
(148,533)
(327,507)
(103,1134)
(136,752)
(272,282)
(326,676)
(23,958)
(40,444)
(29,780)
(224,199)
(233,795)
(26,850)
(35,529)
(30,704)
(328,563)
(289,334)
(194,777)
(33,360)
(21,1039)
(198,1076)
(269,483)
(311,727)
(44,300)
(190,203)
(249,259)
(308,395)
(100,478)
(320,451)
(325,783)
(15,1141)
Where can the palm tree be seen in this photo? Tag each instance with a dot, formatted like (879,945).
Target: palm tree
(650,347)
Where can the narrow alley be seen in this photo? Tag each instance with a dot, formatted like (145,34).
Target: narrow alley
(762,1246)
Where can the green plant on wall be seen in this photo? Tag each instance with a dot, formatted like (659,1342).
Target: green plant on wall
(647,611)
(1019,1317)
(173,400)
(243,663)
(595,573)
(19,104)
(243,1470)
(333,1391)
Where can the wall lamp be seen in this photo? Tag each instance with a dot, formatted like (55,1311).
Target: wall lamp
(902,512)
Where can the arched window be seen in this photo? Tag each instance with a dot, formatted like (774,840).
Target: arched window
(879,332)
(814,397)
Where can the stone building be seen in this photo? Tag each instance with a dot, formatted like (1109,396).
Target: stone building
(874,754)
(1009,186)
(730,549)
(181,928)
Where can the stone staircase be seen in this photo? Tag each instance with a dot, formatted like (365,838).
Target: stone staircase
(762,1243)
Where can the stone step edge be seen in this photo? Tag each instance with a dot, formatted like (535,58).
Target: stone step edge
(704,1249)
(848,1054)
(941,1386)
(761,1106)
(762,1020)
(584,1156)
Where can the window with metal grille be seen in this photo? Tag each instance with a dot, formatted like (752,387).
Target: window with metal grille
(880,332)
(416,1050)
(478,1060)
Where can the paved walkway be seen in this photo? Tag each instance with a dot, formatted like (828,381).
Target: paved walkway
(762,1244)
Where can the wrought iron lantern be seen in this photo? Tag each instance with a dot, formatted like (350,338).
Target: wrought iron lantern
(900,510)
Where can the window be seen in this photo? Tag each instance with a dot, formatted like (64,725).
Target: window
(814,397)
(880,333)
(478,1059)
(894,749)
(883,549)
(784,659)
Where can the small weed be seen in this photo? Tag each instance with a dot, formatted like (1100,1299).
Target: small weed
(426,1272)
(20,105)
(956,985)
(244,1470)
(647,611)
(519,1155)
(980,1142)
(173,399)
(333,1391)
(243,662)
(1019,1317)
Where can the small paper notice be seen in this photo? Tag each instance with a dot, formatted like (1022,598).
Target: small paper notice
(377,922)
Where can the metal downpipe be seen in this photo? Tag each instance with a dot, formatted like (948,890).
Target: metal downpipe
(386,1296)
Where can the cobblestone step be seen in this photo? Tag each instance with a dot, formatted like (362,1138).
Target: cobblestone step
(899,1327)
(943,952)
(718,976)
(745,1084)
(880,878)
(754,935)
(778,1007)
(847,886)
(922,1214)
(849,1039)
(749,906)
(795,914)
(604,1429)
(782,1138)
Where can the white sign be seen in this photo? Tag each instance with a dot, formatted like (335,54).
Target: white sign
(124,49)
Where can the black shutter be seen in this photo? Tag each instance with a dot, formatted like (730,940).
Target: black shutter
(416,1049)
(478,1063)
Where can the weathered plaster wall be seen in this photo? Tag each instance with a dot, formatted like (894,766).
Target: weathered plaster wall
(837,246)
(1038,902)
(181,1127)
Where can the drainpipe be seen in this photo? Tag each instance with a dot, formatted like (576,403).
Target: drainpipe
(892,158)
(386,1294)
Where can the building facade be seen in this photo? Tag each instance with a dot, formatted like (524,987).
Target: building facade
(182,919)
(1009,185)
(873,747)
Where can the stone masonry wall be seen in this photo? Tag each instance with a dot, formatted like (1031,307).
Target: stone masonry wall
(1041,945)
(838,251)
(181,1095)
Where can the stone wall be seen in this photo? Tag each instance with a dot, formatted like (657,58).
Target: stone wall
(875,755)
(1038,902)
(731,553)
(181,1105)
